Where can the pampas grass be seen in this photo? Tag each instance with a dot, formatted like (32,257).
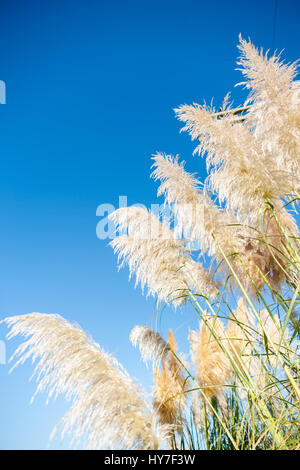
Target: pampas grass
(152,345)
(108,408)
(241,389)
(157,258)
(170,384)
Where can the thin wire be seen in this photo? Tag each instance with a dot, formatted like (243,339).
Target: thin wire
(274,24)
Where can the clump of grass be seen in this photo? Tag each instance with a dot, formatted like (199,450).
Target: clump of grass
(241,389)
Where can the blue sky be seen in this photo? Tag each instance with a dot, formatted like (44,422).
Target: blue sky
(91,87)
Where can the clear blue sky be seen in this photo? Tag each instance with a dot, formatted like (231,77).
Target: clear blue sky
(91,87)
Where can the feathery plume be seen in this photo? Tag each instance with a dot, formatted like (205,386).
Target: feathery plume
(275,117)
(152,346)
(158,259)
(238,172)
(213,369)
(199,219)
(198,410)
(169,384)
(107,406)
(196,215)
(177,185)
(248,159)
(255,161)
(168,397)
(241,179)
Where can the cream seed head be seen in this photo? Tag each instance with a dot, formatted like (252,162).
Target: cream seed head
(159,261)
(108,408)
(152,346)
